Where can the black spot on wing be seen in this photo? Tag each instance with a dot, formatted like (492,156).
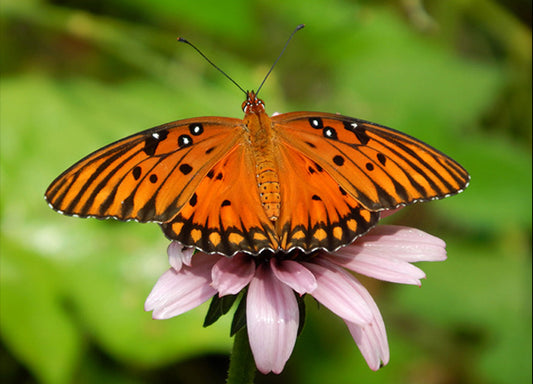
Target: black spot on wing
(358,130)
(137,172)
(185,169)
(329,133)
(196,129)
(339,160)
(362,136)
(153,140)
(316,122)
(184,141)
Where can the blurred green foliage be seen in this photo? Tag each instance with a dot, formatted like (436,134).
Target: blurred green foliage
(77,75)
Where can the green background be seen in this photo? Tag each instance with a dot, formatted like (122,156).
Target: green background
(77,75)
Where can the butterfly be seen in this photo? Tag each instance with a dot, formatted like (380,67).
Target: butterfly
(294,181)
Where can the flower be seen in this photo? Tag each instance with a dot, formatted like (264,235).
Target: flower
(272,312)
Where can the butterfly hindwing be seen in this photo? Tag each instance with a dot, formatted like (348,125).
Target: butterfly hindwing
(380,167)
(316,213)
(224,214)
(148,176)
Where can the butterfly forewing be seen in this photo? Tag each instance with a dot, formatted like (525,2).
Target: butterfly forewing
(148,176)
(380,167)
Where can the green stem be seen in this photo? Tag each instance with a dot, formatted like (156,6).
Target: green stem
(242,364)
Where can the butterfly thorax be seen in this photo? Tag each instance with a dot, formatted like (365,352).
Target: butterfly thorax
(262,144)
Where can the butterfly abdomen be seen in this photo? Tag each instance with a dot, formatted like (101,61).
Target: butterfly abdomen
(268,185)
(261,139)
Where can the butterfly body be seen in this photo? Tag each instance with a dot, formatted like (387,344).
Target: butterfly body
(263,143)
(300,180)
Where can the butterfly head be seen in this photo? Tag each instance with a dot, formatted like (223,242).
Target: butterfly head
(253,104)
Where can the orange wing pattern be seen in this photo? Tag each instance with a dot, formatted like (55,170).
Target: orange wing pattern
(224,214)
(316,213)
(380,167)
(145,177)
(215,183)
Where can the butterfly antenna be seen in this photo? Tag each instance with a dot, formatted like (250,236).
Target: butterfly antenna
(281,54)
(182,40)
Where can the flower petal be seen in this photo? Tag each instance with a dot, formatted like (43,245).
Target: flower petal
(372,338)
(272,320)
(294,274)
(177,292)
(178,254)
(231,274)
(385,254)
(408,244)
(371,343)
(339,292)
(377,266)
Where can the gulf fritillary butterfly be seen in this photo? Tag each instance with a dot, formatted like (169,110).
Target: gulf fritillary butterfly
(300,180)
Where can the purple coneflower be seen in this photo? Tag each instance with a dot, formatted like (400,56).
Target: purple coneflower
(273,283)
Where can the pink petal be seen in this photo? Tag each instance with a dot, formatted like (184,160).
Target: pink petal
(272,320)
(408,244)
(385,254)
(177,292)
(372,345)
(377,266)
(372,338)
(339,292)
(294,274)
(178,254)
(231,274)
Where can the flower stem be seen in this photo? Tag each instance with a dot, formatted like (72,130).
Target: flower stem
(242,364)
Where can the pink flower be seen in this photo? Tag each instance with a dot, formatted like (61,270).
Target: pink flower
(272,314)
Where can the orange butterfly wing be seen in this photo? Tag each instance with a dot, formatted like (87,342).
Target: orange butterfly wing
(201,178)
(224,214)
(316,213)
(380,167)
(148,176)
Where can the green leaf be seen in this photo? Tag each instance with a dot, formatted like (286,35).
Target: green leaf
(239,318)
(36,321)
(219,306)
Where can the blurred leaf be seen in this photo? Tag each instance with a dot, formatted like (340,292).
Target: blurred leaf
(80,75)
(208,15)
(35,322)
(480,291)
(499,196)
